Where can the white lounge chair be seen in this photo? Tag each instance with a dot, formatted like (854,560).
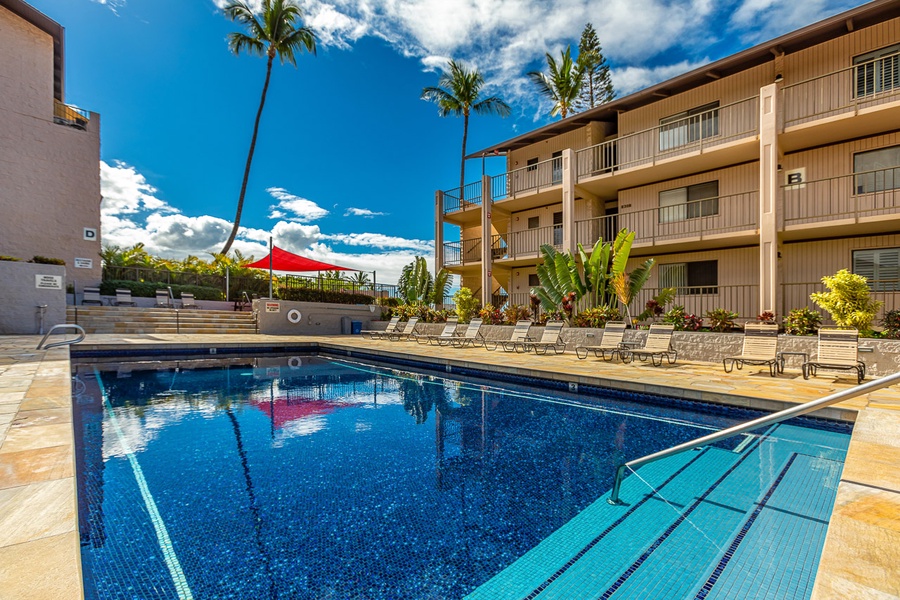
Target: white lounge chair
(91,295)
(551,339)
(657,346)
(838,350)
(406,333)
(380,333)
(446,335)
(516,342)
(187,300)
(611,343)
(472,336)
(760,348)
(162,299)
(123,298)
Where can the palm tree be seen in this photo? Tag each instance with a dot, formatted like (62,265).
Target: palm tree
(458,93)
(417,286)
(360,279)
(563,85)
(273,32)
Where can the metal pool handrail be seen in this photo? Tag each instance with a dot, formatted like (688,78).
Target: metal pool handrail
(78,329)
(794,411)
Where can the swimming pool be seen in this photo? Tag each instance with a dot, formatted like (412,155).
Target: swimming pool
(317,477)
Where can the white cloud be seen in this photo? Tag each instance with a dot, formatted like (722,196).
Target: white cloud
(125,191)
(362,212)
(112,5)
(296,208)
(378,240)
(632,79)
(760,20)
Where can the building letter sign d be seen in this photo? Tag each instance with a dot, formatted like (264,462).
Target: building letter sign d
(90,234)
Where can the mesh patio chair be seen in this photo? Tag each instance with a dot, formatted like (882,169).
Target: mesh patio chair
(611,343)
(406,333)
(187,301)
(838,350)
(446,335)
(657,346)
(123,298)
(551,339)
(91,295)
(516,343)
(377,334)
(472,336)
(760,348)
(162,299)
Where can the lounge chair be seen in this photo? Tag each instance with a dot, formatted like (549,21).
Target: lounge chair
(380,333)
(613,335)
(187,300)
(408,331)
(471,336)
(446,335)
(656,347)
(760,348)
(91,296)
(838,350)
(162,299)
(518,339)
(123,298)
(551,339)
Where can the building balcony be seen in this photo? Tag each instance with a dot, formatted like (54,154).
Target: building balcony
(816,111)
(529,186)
(462,206)
(523,247)
(694,225)
(857,204)
(463,252)
(72,116)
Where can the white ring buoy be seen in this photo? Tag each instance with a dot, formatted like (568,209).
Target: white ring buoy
(294,316)
(295,362)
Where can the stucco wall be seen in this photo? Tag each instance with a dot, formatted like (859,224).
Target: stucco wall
(19,298)
(316,318)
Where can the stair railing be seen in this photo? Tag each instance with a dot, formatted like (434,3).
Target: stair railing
(778,417)
(78,329)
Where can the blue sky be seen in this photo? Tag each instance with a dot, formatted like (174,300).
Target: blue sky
(348,156)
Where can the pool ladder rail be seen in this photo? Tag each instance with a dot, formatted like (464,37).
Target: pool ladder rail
(77,328)
(778,417)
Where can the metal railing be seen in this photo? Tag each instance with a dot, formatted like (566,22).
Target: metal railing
(695,132)
(847,90)
(542,175)
(698,300)
(455,201)
(463,252)
(853,196)
(695,219)
(527,242)
(65,114)
(778,417)
(78,329)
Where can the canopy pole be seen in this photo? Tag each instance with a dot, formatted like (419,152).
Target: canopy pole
(271,251)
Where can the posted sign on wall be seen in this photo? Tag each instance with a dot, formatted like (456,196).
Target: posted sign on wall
(48,282)
(273,307)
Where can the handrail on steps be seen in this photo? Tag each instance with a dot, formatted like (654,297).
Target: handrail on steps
(78,329)
(778,417)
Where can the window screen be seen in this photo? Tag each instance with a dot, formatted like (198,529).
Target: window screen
(877,71)
(881,268)
(699,277)
(701,200)
(534,222)
(877,170)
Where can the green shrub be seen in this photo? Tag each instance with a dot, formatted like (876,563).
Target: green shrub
(314,295)
(802,321)
(721,319)
(144,289)
(466,304)
(9,258)
(891,324)
(491,315)
(682,320)
(596,317)
(43,260)
(513,313)
(848,301)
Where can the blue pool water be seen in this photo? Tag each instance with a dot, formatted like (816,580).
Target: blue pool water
(312,477)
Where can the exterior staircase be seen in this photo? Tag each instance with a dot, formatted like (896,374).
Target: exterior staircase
(127,320)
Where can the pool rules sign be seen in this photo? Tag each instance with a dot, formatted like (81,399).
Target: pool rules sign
(48,282)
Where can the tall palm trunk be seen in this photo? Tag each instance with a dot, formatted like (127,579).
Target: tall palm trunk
(240,205)
(462,161)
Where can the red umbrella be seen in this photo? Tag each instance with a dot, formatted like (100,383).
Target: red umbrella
(282,260)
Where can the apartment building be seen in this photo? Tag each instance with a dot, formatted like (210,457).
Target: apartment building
(49,150)
(747,179)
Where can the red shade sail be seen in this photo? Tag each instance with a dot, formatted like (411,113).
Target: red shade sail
(282,260)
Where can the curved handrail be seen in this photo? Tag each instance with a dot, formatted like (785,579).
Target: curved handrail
(778,417)
(78,329)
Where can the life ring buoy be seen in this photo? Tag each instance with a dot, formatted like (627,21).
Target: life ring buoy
(294,316)
(295,362)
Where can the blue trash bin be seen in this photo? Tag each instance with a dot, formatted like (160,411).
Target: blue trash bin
(355,327)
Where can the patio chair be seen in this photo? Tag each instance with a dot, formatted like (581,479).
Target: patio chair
(447,334)
(611,342)
(408,331)
(838,350)
(517,340)
(551,339)
(380,333)
(91,296)
(656,347)
(187,300)
(162,299)
(123,298)
(760,348)
(471,336)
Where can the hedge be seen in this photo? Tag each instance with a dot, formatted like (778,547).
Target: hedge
(314,295)
(145,289)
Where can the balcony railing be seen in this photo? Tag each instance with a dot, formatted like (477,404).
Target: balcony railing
(65,114)
(463,252)
(867,84)
(696,132)
(697,300)
(542,175)
(455,201)
(528,242)
(521,298)
(796,295)
(864,194)
(696,219)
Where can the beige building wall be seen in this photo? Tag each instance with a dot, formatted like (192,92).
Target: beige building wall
(575,139)
(49,173)
(732,180)
(837,159)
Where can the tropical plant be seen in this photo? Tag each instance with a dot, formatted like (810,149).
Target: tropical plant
(802,321)
(721,319)
(417,286)
(360,279)
(627,287)
(598,316)
(563,83)
(656,306)
(274,31)
(847,300)
(513,313)
(598,86)
(459,93)
(491,315)
(891,324)
(767,316)
(466,304)
(682,320)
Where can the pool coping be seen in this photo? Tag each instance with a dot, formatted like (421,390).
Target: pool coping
(862,548)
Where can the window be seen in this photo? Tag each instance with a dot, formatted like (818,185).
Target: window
(701,200)
(880,267)
(699,277)
(877,71)
(534,222)
(690,126)
(531,164)
(534,280)
(557,167)
(557,229)
(878,170)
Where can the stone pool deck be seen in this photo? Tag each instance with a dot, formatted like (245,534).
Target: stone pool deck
(39,551)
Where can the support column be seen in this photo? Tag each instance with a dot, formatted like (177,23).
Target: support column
(438,231)
(487,283)
(568,201)
(769,156)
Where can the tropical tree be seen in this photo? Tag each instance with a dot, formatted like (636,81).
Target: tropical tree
(360,278)
(274,31)
(597,87)
(417,286)
(563,84)
(847,300)
(459,93)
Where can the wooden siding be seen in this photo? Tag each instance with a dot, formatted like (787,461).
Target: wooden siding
(837,159)
(733,180)
(543,150)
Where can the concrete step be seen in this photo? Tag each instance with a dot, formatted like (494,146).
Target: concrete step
(128,320)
